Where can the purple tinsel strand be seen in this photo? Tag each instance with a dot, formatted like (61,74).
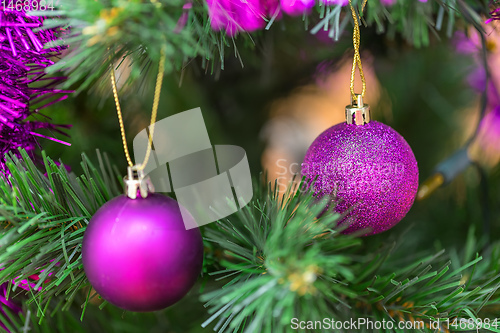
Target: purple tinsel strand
(495,15)
(4,302)
(234,16)
(23,83)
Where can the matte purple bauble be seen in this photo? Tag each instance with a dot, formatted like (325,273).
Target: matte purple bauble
(138,255)
(369,169)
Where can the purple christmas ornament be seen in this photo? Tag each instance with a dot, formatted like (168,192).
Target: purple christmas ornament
(138,255)
(370,169)
(24,88)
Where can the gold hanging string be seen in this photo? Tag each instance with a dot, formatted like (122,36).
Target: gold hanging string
(357,58)
(154,112)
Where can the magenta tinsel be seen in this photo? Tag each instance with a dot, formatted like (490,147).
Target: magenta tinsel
(234,16)
(8,303)
(296,7)
(370,170)
(24,87)
(495,15)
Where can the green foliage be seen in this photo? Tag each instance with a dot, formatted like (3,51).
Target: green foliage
(132,34)
(415,21)
(281,262)
(278,260)
(276,257)
(43,220)
(106,32)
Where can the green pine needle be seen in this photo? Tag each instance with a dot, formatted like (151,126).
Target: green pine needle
(280,261)
(130,35)
(43,221)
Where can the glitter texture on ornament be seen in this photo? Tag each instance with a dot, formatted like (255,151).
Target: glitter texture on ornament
(369,169)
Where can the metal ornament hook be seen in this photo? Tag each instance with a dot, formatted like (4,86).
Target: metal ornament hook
(358,113)
(136,181)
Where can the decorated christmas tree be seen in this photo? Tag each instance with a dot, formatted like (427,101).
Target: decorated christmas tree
(249,166)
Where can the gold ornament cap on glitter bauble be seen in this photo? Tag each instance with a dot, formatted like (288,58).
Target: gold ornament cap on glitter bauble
(358,113)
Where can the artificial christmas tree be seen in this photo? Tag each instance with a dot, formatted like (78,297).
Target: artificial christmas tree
(283,262)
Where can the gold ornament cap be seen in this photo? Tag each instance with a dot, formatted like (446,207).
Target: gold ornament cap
(358,113)
(136,181)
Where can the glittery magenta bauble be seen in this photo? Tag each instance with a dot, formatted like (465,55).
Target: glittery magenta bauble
(138,255)
(368,168)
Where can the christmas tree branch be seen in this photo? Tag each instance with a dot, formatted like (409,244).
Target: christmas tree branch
(44,218)
(281,261)
(282,257)
(105,33)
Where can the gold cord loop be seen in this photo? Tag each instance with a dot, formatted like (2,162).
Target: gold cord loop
(357,58)
(154,112)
